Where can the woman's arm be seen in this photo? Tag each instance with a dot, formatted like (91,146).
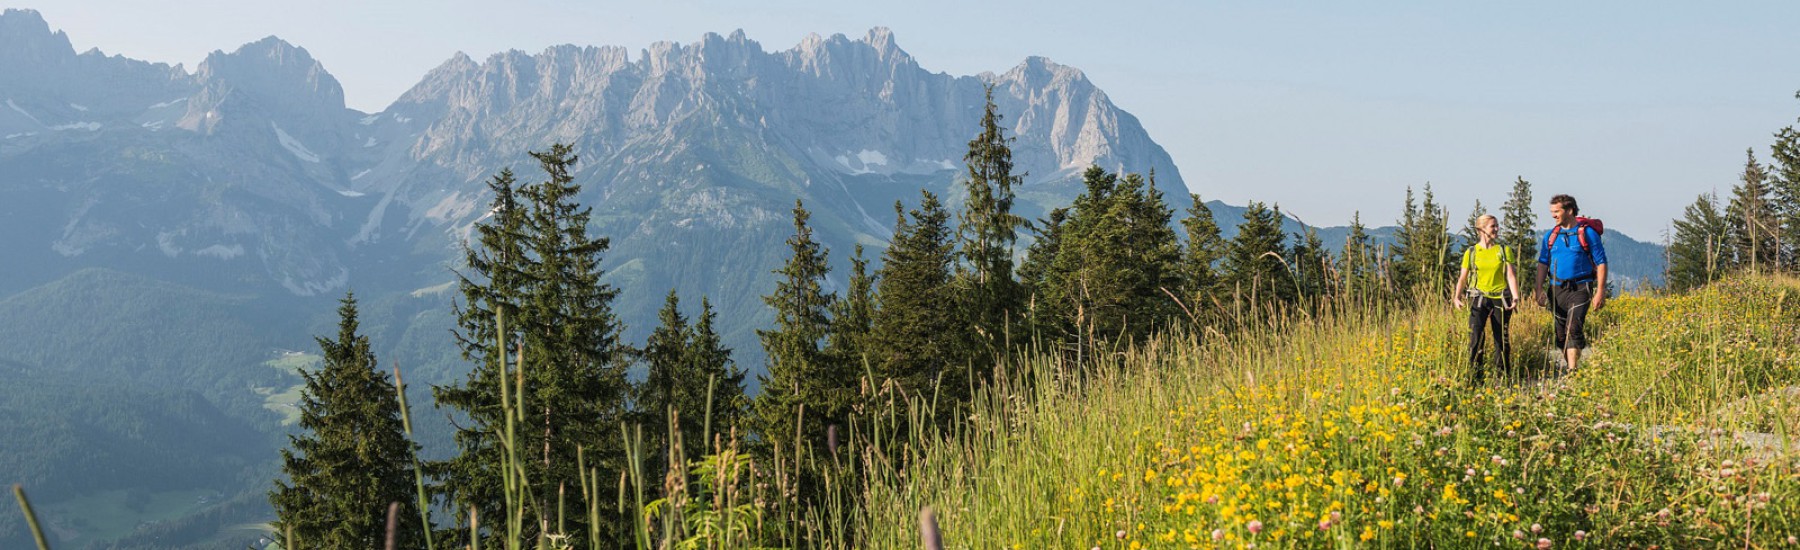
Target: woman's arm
(1512,283)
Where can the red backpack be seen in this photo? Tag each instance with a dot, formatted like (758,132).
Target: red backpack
(1580,223)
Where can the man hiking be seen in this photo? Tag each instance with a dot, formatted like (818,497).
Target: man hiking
(1575,260)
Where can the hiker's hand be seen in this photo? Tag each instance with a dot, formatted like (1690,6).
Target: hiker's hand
(1540,299)
(1599,302)
(1512,305)
(1457,300)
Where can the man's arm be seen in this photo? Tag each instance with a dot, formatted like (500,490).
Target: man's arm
(1599,287)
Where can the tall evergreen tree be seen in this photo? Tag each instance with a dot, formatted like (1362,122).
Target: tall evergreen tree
(917,333)
(1424,254)
(569,361)
(353,458)
(1359,269)
(1205,246)
(1518,228)
(684,362)
(1312,265)
(987,231)
(1043,279)
(669,379)
(1751,219)
(800,374)
(714,367)
(1784,169)
(852,316)
(1251,266)
(1107,272)
(1700,236)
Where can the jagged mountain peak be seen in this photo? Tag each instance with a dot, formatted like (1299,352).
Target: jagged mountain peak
(26,40)
(272,58)
(818,54)
(268,77)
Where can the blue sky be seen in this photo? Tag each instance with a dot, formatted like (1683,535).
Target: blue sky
(1326,108)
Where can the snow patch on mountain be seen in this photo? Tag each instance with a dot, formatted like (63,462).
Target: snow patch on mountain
(221,251)
(293,145)
(365,121)
(864,161)
(89,126)
(169,103)
(359,175)
(21,110)
(78,107)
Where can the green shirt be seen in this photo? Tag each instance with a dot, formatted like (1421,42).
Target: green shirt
(1488,265)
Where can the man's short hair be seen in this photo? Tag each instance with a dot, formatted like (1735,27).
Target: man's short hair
(1567,202)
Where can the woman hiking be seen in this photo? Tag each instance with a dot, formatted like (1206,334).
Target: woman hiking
(1493,296)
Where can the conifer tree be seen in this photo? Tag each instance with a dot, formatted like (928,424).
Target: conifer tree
(852,316)
(916,341)
(1043,279)
(570,364)
(1695,254)
(669,378)
(353,458)
(1358,264)
(1312,265)
(1251,267)
(1423,256)
(987,231)
(1784,168)
(1750,218)
(714,368)
(1199,272)
(684,362)
(800,373)
(1108,264)
(1518,229)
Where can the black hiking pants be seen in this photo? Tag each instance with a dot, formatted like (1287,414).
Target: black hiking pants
(1489,315)
(1569,305)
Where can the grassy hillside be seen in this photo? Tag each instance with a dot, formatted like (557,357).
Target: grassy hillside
(1357,429)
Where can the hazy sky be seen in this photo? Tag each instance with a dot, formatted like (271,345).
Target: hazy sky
(1325,108)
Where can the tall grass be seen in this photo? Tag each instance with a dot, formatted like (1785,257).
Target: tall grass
(1348,424)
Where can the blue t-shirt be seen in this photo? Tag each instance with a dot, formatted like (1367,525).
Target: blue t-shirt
(1566,259)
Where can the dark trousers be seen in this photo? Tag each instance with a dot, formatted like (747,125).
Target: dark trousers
(1489,315)
(1569,304)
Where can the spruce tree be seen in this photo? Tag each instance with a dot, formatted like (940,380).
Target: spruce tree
(714,368)
(1751,219)
(1312,266)
(1199,272)
(1784,167)
(1695,254)
(1043,280)
(916,341)
(1423,254)
(564,349)
(669,379)
(352,459)
(1358,264)
(684,362)
(1252,267)
(1518,229)
(852,315)
(800,376)
(987,231)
